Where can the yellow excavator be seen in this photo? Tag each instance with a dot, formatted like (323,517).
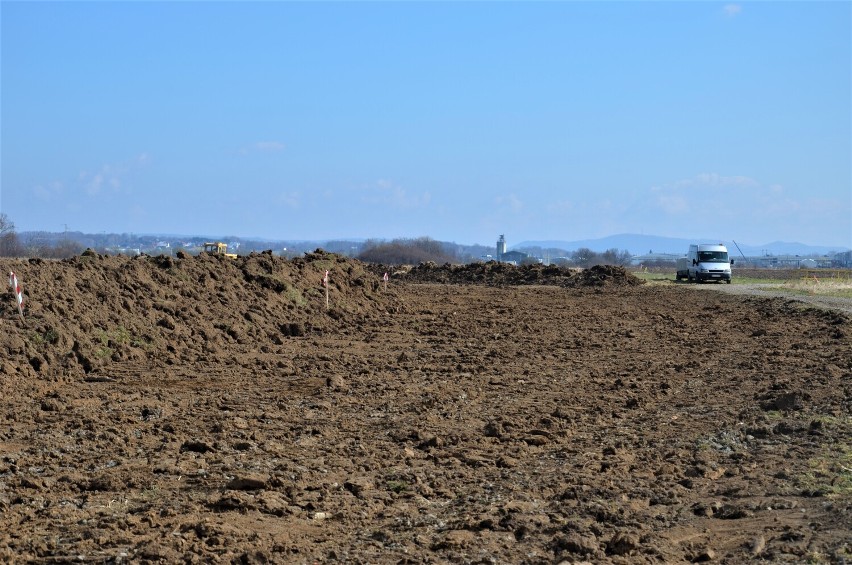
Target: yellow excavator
(218,248)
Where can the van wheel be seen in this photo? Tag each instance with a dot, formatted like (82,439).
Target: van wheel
(728,281)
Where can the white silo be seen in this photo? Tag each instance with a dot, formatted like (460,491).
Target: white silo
(501,247)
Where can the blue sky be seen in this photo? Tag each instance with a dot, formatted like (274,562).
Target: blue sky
(458,121)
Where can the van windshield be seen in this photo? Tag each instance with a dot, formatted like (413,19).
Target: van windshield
(713,256)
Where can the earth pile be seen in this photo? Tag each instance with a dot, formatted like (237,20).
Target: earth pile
(87,312)
(505,274)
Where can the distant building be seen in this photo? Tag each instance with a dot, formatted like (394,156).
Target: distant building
(514,257)
(504,256)
(652,257)
(842,259)
(788,262)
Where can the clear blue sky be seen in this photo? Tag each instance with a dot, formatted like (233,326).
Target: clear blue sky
(458,121)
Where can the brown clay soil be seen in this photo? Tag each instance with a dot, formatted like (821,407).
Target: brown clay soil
(202,409)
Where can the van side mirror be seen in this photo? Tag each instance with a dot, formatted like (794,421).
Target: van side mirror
(732,261)
(694,262)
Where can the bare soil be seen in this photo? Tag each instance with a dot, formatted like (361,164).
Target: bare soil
(202,409)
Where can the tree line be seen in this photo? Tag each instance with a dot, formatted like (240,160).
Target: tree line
(585,257)
(424,249)
(11,245)
(412,251)
(407,252)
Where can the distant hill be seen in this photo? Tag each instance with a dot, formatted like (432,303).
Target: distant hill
(638,244)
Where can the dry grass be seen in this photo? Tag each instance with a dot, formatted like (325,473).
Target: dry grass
(829,283)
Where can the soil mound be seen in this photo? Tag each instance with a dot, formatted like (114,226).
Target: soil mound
(605,275)
(88,311)
(504,274)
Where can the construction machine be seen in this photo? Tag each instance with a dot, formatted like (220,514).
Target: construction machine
(218,248)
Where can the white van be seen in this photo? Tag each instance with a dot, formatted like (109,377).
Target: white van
(705,262)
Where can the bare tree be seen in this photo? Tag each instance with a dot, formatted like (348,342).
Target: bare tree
(65,250)
(405,251)
(9,244)
(615,257)
(584,257)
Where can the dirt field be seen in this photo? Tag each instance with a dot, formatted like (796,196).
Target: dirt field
(201,409)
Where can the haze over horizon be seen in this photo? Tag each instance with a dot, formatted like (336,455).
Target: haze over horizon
(458,121)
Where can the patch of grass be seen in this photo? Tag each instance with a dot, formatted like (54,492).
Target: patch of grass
(396,483)
(120,336)
(397,486)
(843,554)
(652,277)
(324,264)
(151,494)
(835,285)
(47,337)
(143,342)
(831,421)
(51,335)
(830,474)
(295,296)
(846,293)
(102,337)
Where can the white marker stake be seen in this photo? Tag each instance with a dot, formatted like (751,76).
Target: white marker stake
(325,284)
(385,278)
(19,294)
